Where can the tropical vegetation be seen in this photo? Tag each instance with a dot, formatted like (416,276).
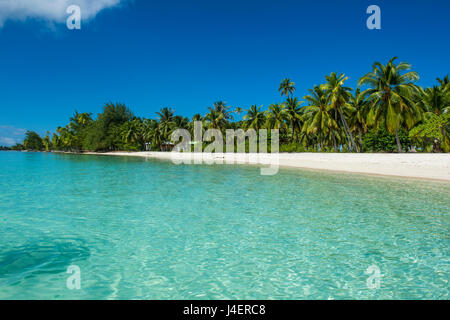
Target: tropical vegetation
(387,112)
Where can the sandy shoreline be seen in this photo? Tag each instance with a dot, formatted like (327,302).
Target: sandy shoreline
(422,166)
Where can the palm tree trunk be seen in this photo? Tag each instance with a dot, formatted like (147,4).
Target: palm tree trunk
(293,131)
(296,133)
(360,142)
(399,145)
(347,131)
(334,141)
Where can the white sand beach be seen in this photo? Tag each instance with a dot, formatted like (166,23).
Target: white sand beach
(412,165)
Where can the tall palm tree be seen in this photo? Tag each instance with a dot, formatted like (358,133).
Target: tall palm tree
(318,116)
(222,108)
(287,87)
(294,113)
(357,109)
(255,118)
(390,95)
(339,96)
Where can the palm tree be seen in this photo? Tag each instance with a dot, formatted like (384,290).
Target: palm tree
(444,81)
(390,95)
(215,120)
(435,100)
(254,118)
(66,138)
(46,141)
(358,108)
(287,87)
(339,96)
(56,143)
(238,111)
(148,131)
(294,113)
(133,132)
(318,117)
(276,116)
(197,117)
(158,136)
(166,121)
(80,120)
(222,108)
(181,122)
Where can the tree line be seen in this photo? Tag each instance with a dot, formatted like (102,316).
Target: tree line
(387,112)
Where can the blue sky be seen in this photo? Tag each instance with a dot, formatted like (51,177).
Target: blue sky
(188,54)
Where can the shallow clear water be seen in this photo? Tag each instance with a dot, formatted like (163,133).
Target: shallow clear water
(147,229)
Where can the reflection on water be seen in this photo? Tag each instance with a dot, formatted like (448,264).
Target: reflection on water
(41,256)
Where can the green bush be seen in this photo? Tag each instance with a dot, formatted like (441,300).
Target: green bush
(33,141)
(292,147)
(380,140)
(434,134)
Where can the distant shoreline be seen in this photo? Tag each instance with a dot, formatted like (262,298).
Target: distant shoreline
(408,165)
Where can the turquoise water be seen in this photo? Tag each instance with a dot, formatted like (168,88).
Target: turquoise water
(147,229)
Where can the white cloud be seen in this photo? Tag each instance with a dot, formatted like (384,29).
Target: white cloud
(10,135)
(50,10)
(7,142)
